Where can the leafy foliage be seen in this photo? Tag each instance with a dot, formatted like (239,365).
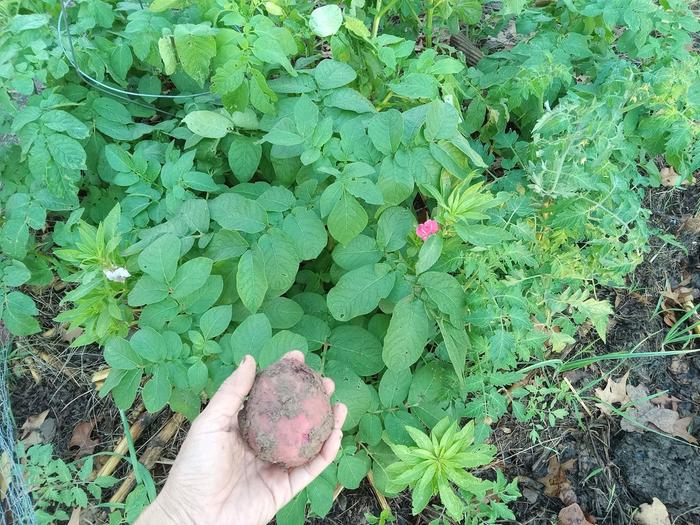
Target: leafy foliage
(258,197)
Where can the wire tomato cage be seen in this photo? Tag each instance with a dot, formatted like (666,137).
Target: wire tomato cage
(63,29)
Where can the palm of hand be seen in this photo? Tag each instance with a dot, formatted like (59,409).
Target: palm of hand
(216,477)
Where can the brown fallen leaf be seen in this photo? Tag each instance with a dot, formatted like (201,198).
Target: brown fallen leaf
(75,517)
(38,429)
(573,515)
(669,177)
(647,415)
(652,514)
(5,474)
(614,392)
(80,442)
(692,224)
(555,481)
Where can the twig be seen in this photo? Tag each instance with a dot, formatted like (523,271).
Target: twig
(137,428)
(150,456)
(383,503)
(573,391)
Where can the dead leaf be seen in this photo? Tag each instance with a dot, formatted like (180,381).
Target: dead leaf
(5,474)
(38,429)
(647,415)
(679,365)
(669,177)
(75,517)
(80,442)
(555,480)
(692,225)
(573,515)
(614,392)
(69,336)
(652,514)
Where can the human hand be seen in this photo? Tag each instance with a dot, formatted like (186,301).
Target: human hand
(217,479)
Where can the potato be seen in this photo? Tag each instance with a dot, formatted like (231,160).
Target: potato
(287,416)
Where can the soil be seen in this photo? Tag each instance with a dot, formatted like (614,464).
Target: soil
(613,471)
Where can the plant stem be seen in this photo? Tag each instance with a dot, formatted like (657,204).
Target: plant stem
(429,28)
(377,17)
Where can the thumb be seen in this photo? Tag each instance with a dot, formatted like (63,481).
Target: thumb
(229,398)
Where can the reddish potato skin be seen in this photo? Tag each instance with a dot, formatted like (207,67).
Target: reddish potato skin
(287,417)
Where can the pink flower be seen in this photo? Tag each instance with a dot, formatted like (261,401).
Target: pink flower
(427,228)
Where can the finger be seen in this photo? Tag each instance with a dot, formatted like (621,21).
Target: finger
(329,386)
(300,477)
(229,398)
(294,354)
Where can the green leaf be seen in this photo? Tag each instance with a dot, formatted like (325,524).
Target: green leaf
(226,244)
(347,219)
(350,100)
(159,259)
(284,133)
(279,259)
(191,276)
(147,290)
(215,321)
(294,512)
(307,233)
(157,390)
(197,376)
(370,429)
(166,49)
(357,27)
(250,337)
(16,274)
(457,344)
(396,180)
(282,312)
(393,387)
(235,212)
(149,344)
(353,469)
(454,505)
(244,156)
(444,290)
(18,313)
(66,152)
(195,46)
(429,253)
(356,347)
(358,292)
(124,393)
(157,314)
(158,6)
(305,114)
(119,354)
(59,120)
(208,124)
(361,251)
(385,130)
(502,349)
(441,121)
(14,236)
(408,333)
(331,74)
(277,198)
(366,190)
(326,20)
(185,402)
(251,280)
(281,343)
(321,491)
(480,235)
(416,85)
(121,61)
(350,390)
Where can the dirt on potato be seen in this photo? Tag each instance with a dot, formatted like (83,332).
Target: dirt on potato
(287,416)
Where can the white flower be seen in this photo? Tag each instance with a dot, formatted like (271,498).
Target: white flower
(118,275)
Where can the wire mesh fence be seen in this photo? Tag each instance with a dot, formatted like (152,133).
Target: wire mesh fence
(15,504)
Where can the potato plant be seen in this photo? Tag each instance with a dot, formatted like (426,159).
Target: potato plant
(214,178)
